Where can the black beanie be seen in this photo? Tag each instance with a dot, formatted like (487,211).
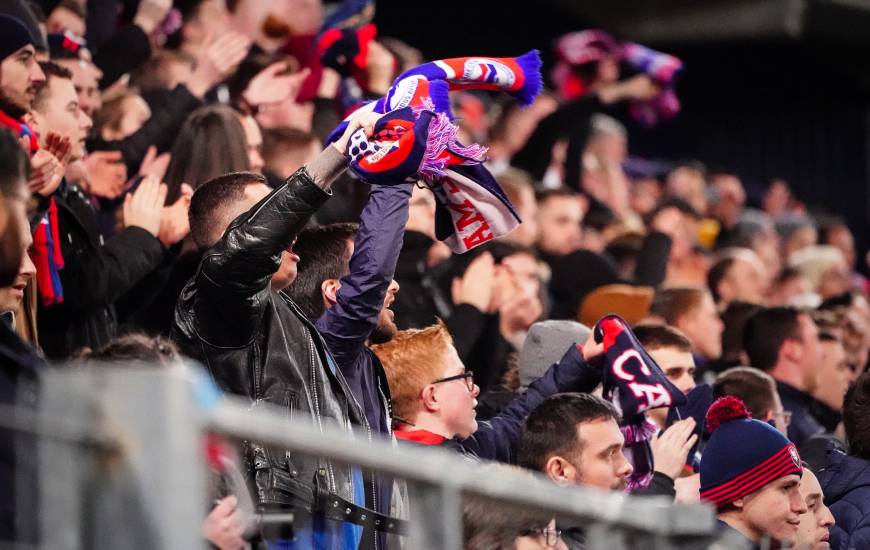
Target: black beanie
(13,35)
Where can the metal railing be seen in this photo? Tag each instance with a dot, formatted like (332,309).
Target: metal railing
(122,466)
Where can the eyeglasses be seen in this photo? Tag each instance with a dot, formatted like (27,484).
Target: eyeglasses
(786,417)
(467,376)
(551,536)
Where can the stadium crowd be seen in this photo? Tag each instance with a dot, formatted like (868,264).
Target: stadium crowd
(196,179)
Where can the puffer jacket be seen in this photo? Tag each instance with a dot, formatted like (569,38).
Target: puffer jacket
(257,343)
(845,480)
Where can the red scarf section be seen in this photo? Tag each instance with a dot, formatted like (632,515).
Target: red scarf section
(422,437)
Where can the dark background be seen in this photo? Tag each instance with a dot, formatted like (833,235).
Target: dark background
(772,88)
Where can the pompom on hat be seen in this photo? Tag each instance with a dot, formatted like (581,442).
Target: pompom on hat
(743,454)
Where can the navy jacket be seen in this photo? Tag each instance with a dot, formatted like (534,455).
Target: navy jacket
(803,425)
(496,439)
(347,325)
(845,481)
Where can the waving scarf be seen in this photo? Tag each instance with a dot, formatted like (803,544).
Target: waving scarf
(416,141)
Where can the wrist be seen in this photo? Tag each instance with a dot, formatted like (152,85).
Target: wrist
(145,22)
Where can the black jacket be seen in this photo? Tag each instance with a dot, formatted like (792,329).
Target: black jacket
(94,276)
(20,367)
(803,425)
(257,343)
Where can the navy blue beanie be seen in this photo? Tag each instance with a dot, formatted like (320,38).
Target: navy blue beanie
(743,455)
(14,35)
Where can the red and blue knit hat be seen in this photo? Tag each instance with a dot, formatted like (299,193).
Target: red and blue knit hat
(743,455)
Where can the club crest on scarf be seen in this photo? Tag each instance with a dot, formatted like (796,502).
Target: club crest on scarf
(634,383)
(416,140)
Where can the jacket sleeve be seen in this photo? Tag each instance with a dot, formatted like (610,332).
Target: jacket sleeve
(536,154)
(496,439)
(96,280)
(652,261)
(233,280)
(160,130)
(661,485)
(125,51)
(347,325)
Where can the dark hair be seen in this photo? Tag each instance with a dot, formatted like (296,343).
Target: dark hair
(323,254)
(734,319)
(134,347)
(856,417)
(51,70)
(543,196)
(211,142)
(77,8)
(213,197)
(755,388)
(152,74)
(673,303)
(766,331)
(840,300)
(718,271)
(679,203)
(493,525)
(499,250)
(657,336)
(552,427)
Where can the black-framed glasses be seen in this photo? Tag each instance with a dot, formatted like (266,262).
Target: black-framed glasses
(467,376)
(551,536)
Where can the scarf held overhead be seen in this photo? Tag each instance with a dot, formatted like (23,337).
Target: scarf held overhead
(416,140)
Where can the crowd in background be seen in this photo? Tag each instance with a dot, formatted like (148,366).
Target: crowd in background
(167,193)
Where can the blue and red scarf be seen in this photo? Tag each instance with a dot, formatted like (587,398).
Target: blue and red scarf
(46,241)
(634,383)
(417,141)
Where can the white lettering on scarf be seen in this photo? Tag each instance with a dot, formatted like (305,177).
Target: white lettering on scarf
(650,396)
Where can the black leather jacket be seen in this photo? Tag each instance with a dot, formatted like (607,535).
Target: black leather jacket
(257,343)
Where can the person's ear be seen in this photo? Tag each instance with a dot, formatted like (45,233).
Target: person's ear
(31,118)
(329,290)
(429,398)
(739,503)
(560,470)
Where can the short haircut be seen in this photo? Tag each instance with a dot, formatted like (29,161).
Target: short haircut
(51,70)
(413,359)
(323,254)
(657,336)
(754,387)
(514,182)
(211,202)
(547,194)
(718,272)
(152,74)
(111,113)
(856,417)
(605,125)
(766,331)
(488,523)
(551,429)
(671,304)
(135,347)
(281,140)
